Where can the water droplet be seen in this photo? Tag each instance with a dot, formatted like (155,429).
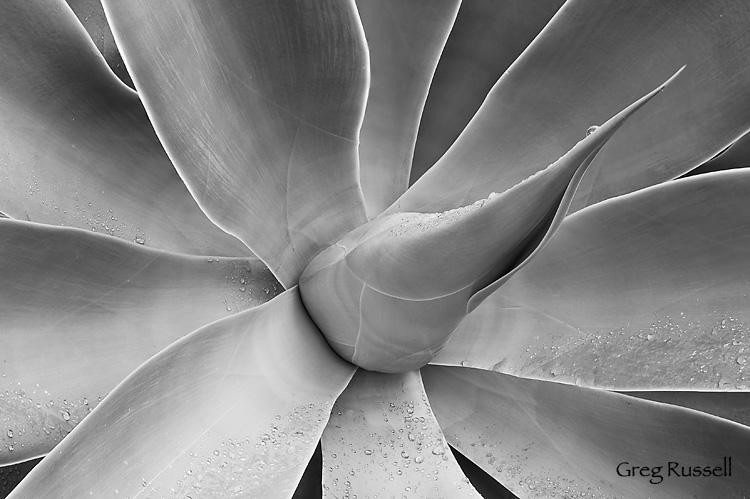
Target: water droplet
(438,450)
(368,452)
(404,454)
(419,459)
(10,433)
(65,414)
(139,240)
(742,360)
(592,129)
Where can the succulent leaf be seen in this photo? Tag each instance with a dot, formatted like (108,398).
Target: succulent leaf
(91,15)
(405,40)
(591,60)
(486,38)
(259,106)
(382,419)
(79,311)
(734,406)
(236,407)
(77,146)
(547,440)
(404,281)
(735,156)
(654,279)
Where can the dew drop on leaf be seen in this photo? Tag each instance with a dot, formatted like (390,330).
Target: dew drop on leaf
(592,129)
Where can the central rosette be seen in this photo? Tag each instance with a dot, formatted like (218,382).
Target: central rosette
(388,295)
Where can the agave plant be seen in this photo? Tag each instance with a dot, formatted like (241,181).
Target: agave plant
(206,277)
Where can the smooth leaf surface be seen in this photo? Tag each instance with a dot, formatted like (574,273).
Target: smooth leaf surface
(548,440)
(486,38)
(76,146)
(382,439)
(736,156)
(734,406)
(91,15)
(80,311)
(645,291)
(234,409)
(371,329)
(259,106)
(591,60)
(405,40)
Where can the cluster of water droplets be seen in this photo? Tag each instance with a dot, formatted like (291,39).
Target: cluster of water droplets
(254,466)
(510,467)
(250,285)
(422,222)
(82,213)
(402,455)
(673,351)
(32,420)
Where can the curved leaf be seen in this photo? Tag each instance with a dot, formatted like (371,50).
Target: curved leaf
(371,329)
(476,245)
(591,60)
(382,439)
(486,38)
(405,40)
(547,440)
(234,408)
(734,406)
(259,107)
(79,311)
(735,156)
(76,145)
(643,291)
(406,280)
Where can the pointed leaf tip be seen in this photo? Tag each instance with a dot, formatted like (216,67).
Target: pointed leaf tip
(404,281)
(579,72)
(537,188)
